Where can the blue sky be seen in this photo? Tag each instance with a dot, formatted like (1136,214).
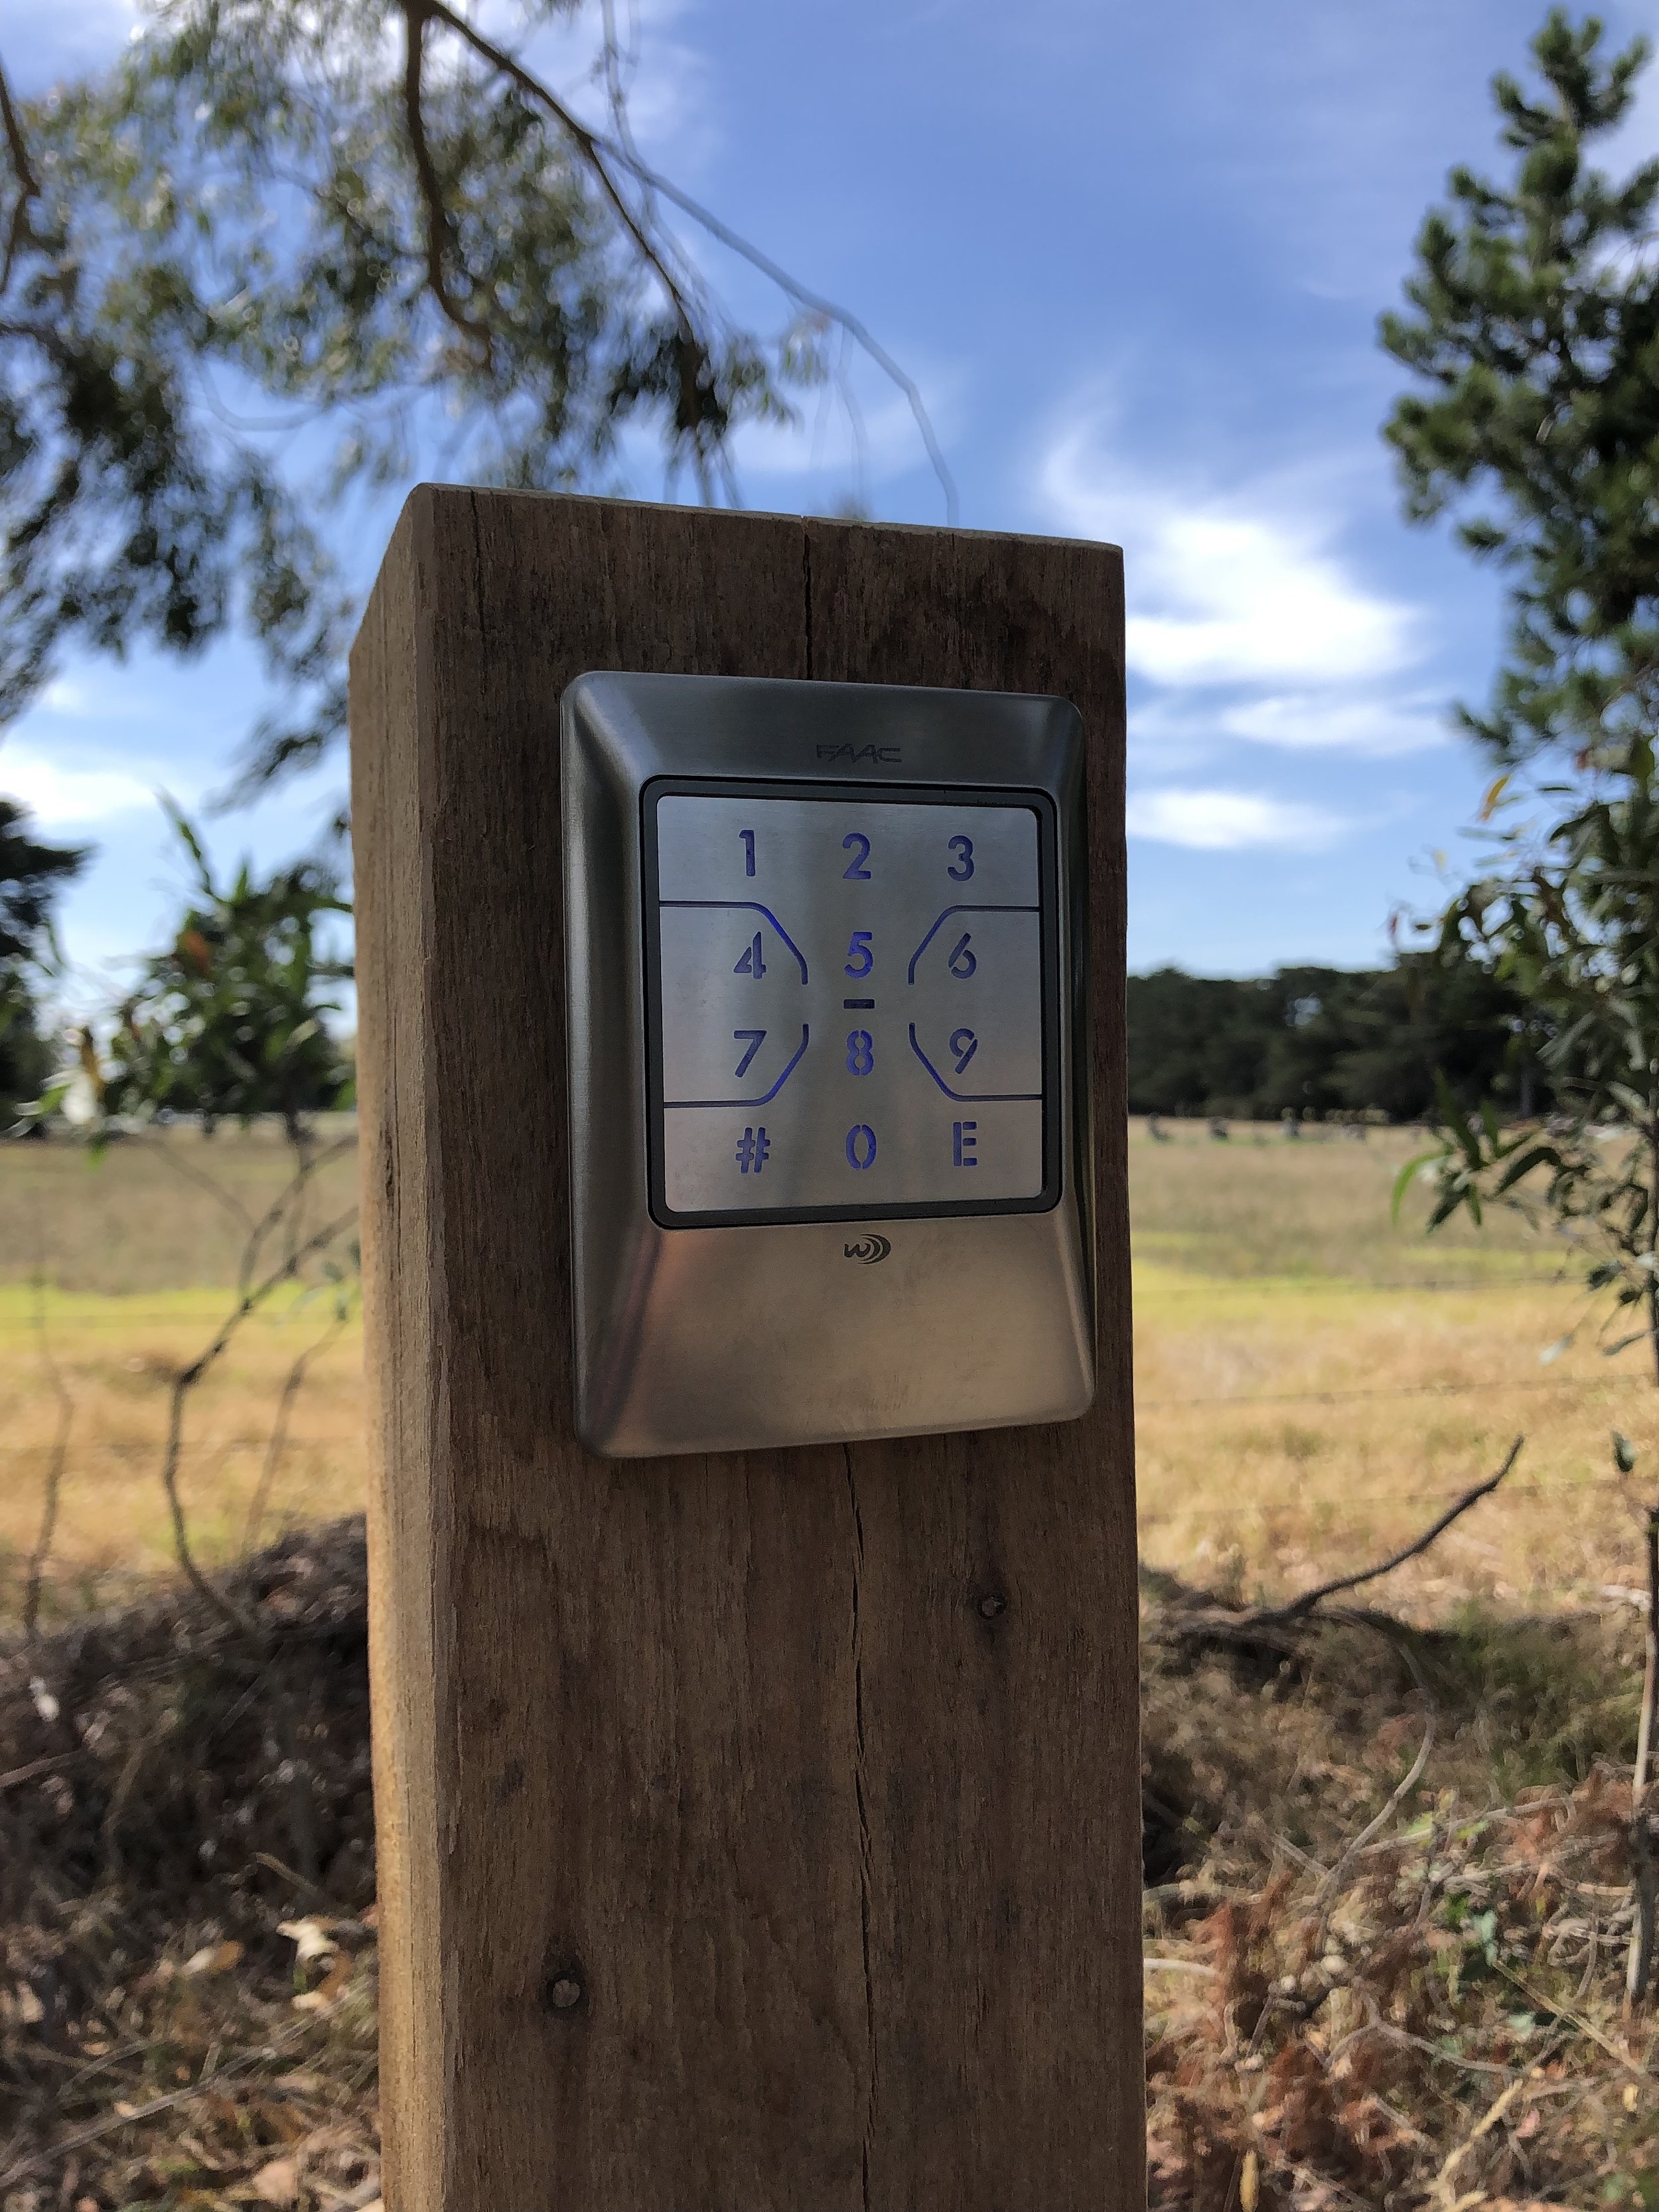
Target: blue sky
(1134,256)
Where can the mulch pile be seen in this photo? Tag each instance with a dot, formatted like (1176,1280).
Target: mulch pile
(188,1957)
(1388,1909)
(1390,1970)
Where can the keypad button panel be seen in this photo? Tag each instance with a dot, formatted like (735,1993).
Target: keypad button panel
(850,1003)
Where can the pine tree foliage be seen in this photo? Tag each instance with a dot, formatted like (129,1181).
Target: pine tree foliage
(32,873)
(1535,322)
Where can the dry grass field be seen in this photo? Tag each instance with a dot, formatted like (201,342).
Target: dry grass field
(113,1274)
(1313,1383)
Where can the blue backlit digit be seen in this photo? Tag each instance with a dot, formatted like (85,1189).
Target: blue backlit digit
(756,1039)
(860,1146)
(963,1045)
(961,963)
(859,958)
(861,1053)
(748,837)
(751,963)
(963,849)
(855,871)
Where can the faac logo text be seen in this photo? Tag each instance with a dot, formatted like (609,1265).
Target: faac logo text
(853,753)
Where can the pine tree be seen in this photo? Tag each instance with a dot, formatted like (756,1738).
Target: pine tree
(1535,323)
(31,874)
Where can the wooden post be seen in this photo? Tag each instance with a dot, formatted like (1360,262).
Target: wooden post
(758,1833)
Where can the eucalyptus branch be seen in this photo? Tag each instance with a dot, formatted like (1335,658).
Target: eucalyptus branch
(600,153)
(439,230)
(818,305)
(27,183)
(595,151)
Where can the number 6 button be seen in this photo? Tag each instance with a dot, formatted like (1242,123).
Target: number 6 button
(974,1002)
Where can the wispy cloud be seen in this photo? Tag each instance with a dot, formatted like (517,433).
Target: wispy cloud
(1230,821)
(1226,589)
(1376,729)
(67,795)
(1249,633)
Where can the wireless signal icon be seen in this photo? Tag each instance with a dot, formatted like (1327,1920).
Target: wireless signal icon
(869,1248)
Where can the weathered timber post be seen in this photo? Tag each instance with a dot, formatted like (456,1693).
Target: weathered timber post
(759,1831)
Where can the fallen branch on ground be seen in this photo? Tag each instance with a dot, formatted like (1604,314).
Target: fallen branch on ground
(1299,1607)
(1271,1622)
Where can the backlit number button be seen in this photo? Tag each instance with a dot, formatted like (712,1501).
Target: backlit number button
(974,1003)
(735,1019)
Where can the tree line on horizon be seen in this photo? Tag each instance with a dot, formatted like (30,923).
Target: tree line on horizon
(1328,1042)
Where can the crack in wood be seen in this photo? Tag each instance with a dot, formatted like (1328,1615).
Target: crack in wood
(858,1779)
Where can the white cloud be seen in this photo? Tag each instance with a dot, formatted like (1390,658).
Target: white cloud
(1174,729)
(1230,821)
(1377,729)
(1246,628)
(1227,589)
(63,797)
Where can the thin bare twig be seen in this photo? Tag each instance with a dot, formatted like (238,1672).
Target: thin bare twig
(17,1775)
(290,1390)
(174,1159)
(184,1381)
(290,1196)
(1543,2006)
(817,304)
(34,1575)
(1331,1886)
(1444,2196)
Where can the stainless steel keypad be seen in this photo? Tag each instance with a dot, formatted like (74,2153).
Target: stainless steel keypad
(849,1004)
(826,952)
